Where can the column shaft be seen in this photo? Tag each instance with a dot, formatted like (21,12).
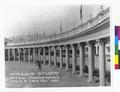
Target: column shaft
(8,54)
(90,61)
(13,51)
(39,54)
(11,55)
(67,58)
(61,59)
(44,56)
(73,59)
(24,54)
(34,55)
(19,55)
(96,49)
(37,58)
(102,63)
(49,55)
(28,54)
(81,53)
(55,58)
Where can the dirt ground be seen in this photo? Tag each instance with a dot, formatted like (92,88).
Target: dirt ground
(64,78)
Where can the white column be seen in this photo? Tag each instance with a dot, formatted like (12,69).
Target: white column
(49,48)
(28,54)
(13,54)
(44,56)
(25,51)
(102,63)
(13,51)
(8,54)
(90,61)
(55,58)
(21,54)
(67,58)
(73,58)
(39,54)
(96,48)
(81,53)
(24,54)
(16,54)
(19,51)
(33,55)
(61,58)
(22,58)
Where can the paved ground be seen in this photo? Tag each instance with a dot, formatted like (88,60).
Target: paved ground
(66,79)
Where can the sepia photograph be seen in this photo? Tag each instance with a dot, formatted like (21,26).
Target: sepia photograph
(57,46)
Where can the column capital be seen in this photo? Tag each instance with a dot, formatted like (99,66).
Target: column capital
(81,44)
(49,46)
(73,45)
(34,47)
(101,41)
(55,46)
(44,47)
(90,42)
(60,46)
(40,48)
(66,45)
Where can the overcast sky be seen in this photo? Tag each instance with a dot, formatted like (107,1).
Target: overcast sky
(28,18)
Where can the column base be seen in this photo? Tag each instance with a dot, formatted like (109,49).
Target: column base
(102,84)
(60,68)
(49,64)
(73,72)
(44,64)
(91,81)
(66,69)
(55,65)
(82,75)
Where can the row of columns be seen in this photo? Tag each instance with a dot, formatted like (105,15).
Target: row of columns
(81,46)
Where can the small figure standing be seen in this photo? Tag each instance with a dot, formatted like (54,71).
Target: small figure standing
(38,64)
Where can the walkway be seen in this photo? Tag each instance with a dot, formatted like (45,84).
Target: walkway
(67,79)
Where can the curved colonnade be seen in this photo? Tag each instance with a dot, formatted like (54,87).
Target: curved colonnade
(94,35)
